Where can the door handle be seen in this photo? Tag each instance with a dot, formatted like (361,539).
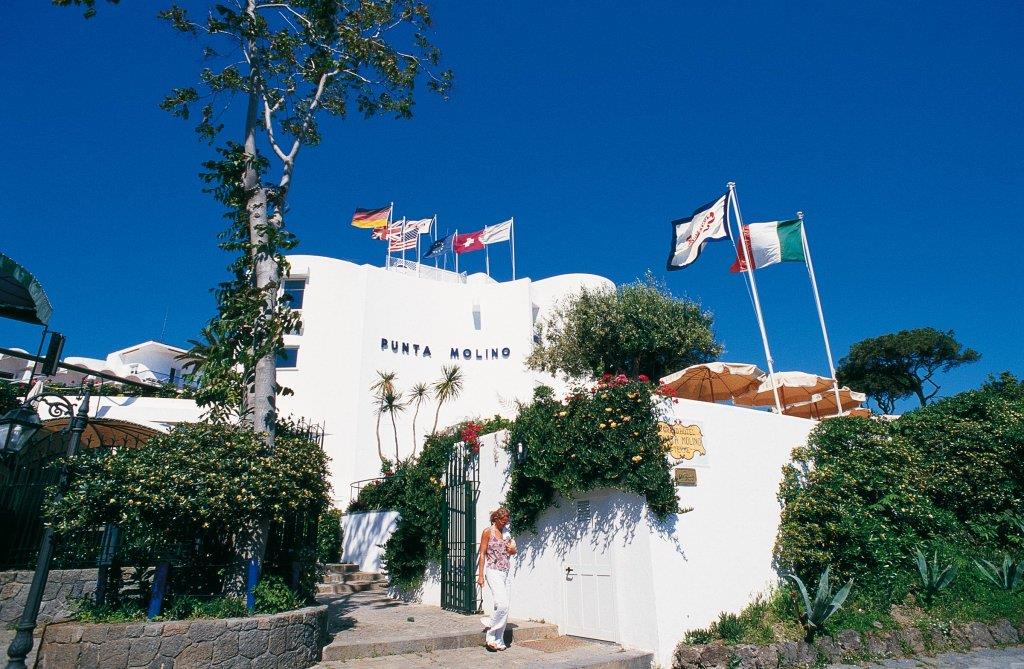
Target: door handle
(568,571)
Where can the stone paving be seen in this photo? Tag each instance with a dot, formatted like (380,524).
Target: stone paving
(988,658)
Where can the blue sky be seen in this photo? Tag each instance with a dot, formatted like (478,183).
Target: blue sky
(897,128)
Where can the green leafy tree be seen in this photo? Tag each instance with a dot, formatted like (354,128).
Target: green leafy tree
(894,366)
(638,328)
(446,389)
(288,62)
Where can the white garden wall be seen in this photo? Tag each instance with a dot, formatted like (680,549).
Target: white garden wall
(364,537)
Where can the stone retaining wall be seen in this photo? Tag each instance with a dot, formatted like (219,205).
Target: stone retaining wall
(849,646)
(290,640)
(62,587)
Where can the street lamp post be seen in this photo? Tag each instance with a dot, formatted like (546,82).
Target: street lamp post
(17,428)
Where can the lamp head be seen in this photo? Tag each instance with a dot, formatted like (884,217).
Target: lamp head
(17,427)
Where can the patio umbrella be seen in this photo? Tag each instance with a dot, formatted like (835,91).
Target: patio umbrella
(713,381)
(823,405)
(793,387)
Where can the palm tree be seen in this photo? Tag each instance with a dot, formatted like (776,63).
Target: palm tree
(419,393)
(385,383)
(391,403)
(449,387)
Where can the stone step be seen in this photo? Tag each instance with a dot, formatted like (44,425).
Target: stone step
(583,655)
(341,567)
(352,647)
(323,589)
(353,577)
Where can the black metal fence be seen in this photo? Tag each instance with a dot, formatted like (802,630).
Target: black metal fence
(462,486)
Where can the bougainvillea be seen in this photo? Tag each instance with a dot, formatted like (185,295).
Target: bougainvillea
(470,435)
(606,437)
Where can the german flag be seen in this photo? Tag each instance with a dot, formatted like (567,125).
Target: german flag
(372,218)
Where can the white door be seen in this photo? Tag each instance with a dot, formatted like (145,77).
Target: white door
(588,581)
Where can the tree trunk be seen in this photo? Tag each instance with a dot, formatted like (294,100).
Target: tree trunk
(394,426)
(437,414)
(380,448)
(414,416)
(919,391)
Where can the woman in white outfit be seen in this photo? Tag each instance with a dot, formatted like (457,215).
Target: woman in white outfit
(495,548)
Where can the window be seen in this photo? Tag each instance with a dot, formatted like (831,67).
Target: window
(295,289)
(288,358)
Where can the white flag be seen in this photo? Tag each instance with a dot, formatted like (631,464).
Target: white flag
(422,226)
(497,233)
(689,235)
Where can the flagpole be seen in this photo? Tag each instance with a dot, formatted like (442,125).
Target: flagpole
(402,237)
(757,300)
(513,235)
(821,314)
(387,235)
(487,257)
(418,258)
(455,251)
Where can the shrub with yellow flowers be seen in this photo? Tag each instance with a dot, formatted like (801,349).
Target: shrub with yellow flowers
(604,437)
(187,495)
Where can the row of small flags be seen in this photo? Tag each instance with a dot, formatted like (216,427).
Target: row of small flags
(404,235)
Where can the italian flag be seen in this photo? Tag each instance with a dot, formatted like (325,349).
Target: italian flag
(769,243)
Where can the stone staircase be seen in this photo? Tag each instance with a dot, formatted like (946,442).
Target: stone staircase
(345,579)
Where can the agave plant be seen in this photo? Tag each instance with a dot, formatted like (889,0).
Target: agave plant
(1007,577)
(933,579)
(824,604)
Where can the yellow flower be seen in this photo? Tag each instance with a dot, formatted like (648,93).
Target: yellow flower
(614,424)
(637,458)
(600,426)
(607,408)
(563,413)
(626,419)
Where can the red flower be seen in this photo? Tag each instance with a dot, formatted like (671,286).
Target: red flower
(644,378)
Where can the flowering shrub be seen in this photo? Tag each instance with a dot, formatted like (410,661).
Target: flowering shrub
(604,438)
(470,435)
(416,491)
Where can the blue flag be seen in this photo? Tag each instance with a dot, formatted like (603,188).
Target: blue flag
(440,247)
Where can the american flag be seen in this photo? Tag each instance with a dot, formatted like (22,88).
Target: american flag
(403,241)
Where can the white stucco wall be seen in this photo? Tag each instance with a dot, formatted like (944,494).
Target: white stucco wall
(349,309)
(672,575)
(364,537)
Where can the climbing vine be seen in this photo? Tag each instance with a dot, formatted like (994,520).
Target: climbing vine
(605,437)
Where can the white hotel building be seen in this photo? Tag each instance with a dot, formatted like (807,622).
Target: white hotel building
(361,319)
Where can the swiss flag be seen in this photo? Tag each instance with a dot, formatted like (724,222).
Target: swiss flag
(471,241)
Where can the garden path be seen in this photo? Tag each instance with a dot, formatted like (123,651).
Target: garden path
(372,631)
(988,658)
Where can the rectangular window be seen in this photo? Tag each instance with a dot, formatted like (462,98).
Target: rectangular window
(288,358)
(295,289)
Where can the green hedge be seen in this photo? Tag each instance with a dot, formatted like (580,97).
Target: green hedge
(863,493)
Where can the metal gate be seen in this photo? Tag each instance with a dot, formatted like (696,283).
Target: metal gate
(458,571)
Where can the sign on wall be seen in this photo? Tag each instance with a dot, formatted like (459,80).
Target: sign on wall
(685,442)
(421,350)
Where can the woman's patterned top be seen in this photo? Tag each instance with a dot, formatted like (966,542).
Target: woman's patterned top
(496,556)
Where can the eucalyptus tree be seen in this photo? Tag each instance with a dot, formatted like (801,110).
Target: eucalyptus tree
(289,62)
(418,395)
(447,388)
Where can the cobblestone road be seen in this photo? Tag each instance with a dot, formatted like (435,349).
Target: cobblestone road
(989,658)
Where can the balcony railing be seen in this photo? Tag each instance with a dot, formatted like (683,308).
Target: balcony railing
(413,268)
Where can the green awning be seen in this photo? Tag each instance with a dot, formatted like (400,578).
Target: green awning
(21,296)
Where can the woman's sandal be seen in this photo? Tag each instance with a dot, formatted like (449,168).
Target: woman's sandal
(491,647)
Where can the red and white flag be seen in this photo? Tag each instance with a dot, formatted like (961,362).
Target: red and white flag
(471,241)
(690,235)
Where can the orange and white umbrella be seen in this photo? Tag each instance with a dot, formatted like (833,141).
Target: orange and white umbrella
(823,405)
(712,381)
(793,387)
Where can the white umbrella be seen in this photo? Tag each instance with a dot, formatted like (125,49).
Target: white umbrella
(793,387)
(713,381)
(823,405)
